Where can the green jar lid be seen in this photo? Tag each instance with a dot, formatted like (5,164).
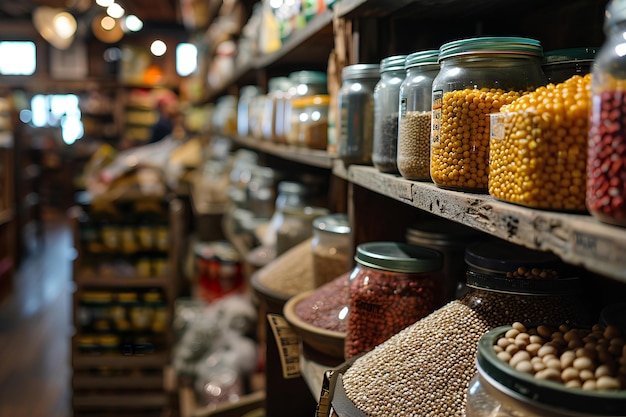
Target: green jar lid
(360,71)
(428,57)
(337,223)
(308,77)
(398,257)
(562,56)
(491,45)
(392,63)
(279,84)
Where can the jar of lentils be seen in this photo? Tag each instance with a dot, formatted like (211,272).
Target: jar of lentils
(386,94)
(415,115)
(606,183)
(476,77)
(331,247)
(391,286)
(355,121)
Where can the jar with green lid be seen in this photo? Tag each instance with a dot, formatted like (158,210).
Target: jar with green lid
(355,118)
(303,84)
(476,77)
(606,182)
(415,115)
(386,99)
(392,286)
(314,122)
(331,247)
(296,227)
(561,64)
(499,389)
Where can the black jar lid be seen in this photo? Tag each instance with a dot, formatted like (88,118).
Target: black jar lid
(550,396)
(398,257)
(494,265)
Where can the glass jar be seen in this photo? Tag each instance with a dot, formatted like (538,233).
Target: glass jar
(476,77)
(225,115)
(245,108)
(391,287)
(451,239)
(386,99)
(297,108)
(355,119)
(261,192)
(497,389)
(314,122)
(290,194)
(303,84)
(561,64)
(273,107)
(297,226)
(606,183)
(415,115)
(331,247)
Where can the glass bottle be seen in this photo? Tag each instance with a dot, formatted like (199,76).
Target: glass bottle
(386,102)
(415,115)
(355,119)
(606,179)
(484,73)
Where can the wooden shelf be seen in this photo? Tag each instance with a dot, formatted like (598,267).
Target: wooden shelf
(155,360)
(144,382)
(577,238)
(130,400)
(312,157)
(94,280)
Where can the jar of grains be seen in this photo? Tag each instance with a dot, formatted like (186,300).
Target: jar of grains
(606,183)
(355,120)
(476,77)
(528,383)
(303,84)
(385,381)
(314,122)
(297,226)
(386,96)
(415,115)
(331,246)
(561,64)
(391,286)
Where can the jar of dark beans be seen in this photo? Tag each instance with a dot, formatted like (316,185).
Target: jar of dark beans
(355,120)
(391,286)
(606,181)
(386,95)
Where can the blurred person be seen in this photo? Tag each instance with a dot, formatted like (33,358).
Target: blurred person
(168,109)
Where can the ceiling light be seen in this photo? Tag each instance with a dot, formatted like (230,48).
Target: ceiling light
(64,25)
(107,23)
(104,3)
(158,48)
(115,11)
(133,23)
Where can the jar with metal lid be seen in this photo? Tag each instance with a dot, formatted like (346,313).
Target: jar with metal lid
(386,103)
(245,108)
(331,247)
(313,132)
(416,115)
(297,226)
(606,183)
(303,84)
(500,389)
(476,77)
(290,194)
(261,192)
(392,286)
(355,118)
(297,106)
(451,239)
(561,64)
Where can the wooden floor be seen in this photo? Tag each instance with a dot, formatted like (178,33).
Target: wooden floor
(35,330)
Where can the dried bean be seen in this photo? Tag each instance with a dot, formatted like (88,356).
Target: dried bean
(325,307)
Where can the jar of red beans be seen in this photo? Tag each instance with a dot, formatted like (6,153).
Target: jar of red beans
(391,287)
(606,179)
(477,76)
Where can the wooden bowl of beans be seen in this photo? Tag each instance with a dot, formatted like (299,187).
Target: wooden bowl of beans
(328,342)
(572,369)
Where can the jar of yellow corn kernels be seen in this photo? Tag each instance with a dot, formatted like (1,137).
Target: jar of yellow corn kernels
(476,77)
(606,183)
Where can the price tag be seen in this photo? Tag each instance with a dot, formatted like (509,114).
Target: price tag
(288,344)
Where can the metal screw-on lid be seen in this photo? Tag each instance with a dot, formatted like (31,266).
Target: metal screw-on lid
(427,57)
(491,45)
(358,71)
(337,223)
(392,63)
(398,257)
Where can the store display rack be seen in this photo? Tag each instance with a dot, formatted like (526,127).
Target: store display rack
(122,316)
